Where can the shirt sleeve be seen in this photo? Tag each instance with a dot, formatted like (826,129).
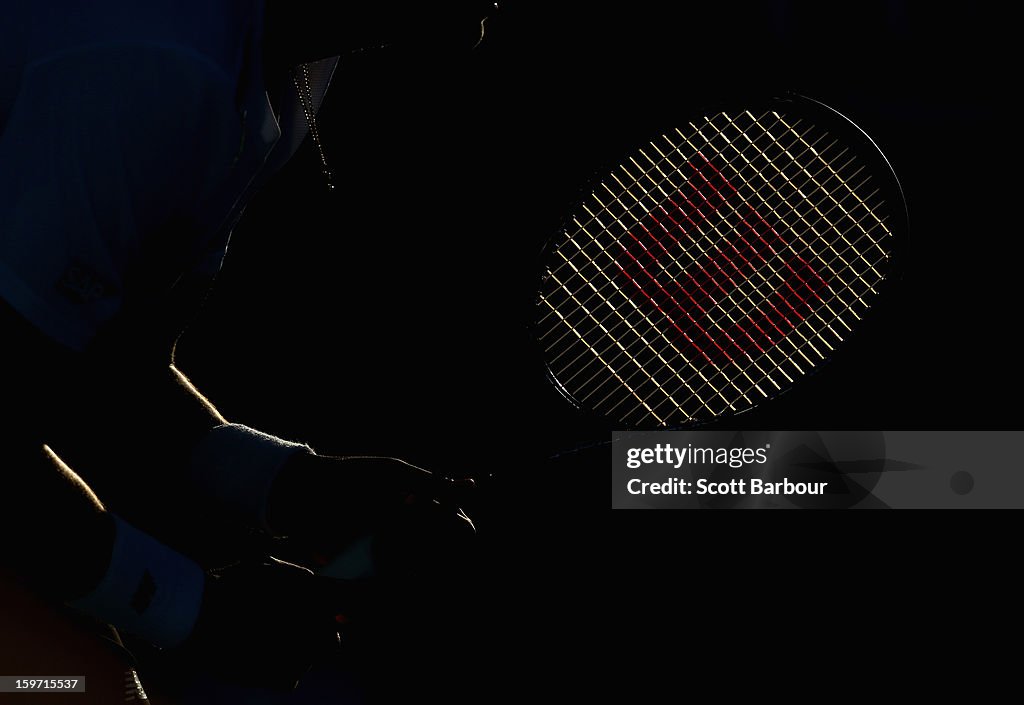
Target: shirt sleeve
(104,150)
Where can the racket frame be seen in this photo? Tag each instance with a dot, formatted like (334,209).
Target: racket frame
(820,115)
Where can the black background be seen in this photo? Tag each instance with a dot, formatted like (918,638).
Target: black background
(390,316)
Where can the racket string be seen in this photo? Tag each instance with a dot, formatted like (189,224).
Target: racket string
(638,200)
(829,264)
(733,283)
(718,391)
(698,372)
(570,292)
(741,302)
(838,254)
(698,244)
(753,384)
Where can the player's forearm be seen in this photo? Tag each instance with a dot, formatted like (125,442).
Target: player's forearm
(135,428)
(129,427)
(53,529)
(157,444)
(59,538)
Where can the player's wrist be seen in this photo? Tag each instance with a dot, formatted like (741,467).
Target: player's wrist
(148,589)
(239,466)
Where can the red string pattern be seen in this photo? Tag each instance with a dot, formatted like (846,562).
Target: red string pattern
(686,304)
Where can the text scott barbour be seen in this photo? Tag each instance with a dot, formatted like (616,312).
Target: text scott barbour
(735,458)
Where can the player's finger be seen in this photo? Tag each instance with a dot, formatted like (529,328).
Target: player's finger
(411,479)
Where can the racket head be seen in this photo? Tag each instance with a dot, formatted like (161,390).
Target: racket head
(719,264)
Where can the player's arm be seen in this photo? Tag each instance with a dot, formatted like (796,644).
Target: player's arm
(261,622)
(152,445)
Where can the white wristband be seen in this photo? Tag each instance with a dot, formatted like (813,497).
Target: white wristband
(149,589)
(236,465)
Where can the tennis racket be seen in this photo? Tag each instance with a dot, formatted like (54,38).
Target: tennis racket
(719,264)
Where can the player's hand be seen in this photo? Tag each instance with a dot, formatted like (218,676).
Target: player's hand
(263,623)
(326,502)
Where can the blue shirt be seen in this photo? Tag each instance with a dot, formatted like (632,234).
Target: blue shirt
(132,136)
